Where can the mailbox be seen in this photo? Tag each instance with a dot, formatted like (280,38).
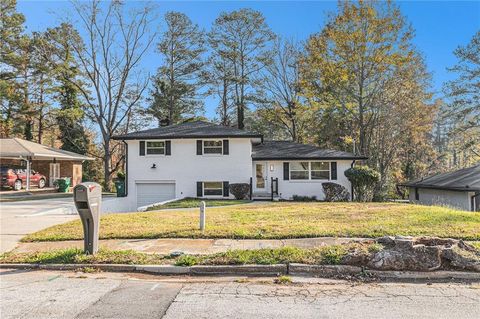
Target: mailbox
(88,198)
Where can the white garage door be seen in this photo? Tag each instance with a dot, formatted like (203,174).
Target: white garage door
(150,193)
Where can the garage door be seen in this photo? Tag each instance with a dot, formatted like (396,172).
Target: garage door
(151,193)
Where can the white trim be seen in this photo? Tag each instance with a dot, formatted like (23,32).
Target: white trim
(156,155)
(309,170)
(203,188)
(212,154)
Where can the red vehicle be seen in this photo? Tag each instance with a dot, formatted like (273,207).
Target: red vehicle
(16,178)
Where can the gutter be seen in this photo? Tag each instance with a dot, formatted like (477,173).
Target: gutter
(126,168)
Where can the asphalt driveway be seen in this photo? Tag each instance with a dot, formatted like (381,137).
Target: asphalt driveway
(18,219)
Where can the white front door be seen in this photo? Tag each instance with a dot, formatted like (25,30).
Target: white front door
(54,173)
(261,181)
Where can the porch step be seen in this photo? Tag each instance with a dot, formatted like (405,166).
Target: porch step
(264,196)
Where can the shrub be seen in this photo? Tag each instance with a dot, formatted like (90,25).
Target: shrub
(299,198)
(186,260)
(363,180)
(240,190)
(335,192)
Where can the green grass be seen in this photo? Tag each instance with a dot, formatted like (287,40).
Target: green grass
(194,202)
(282,220)
(322,255)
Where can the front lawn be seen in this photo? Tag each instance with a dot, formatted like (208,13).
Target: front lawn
(194,202)
(282,220)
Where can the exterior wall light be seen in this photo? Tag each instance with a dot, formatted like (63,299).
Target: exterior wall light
(272,167)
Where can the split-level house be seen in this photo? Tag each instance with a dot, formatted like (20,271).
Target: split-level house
(201,159)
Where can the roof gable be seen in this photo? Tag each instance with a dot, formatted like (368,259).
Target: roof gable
(197,129)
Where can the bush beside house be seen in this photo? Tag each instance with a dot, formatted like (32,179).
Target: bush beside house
(240,190)
(363,179)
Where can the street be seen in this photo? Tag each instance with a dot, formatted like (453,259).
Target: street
(50,294)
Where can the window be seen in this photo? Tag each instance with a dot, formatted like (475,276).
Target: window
(212,188)
(320,170)
(212,147)
(155,148)
(299,170)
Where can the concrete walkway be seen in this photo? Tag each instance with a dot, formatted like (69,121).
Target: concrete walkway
(187,246)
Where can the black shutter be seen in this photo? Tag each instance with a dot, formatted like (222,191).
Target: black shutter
(225,147)
(168,147)
(199,147)
(333,170)
(199,189)
(286,171)
(226,189)
(142,148)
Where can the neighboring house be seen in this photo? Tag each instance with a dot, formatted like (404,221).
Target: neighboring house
(459,189)
(51,162)
(200,159)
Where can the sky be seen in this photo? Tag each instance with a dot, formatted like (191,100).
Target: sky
(441,26)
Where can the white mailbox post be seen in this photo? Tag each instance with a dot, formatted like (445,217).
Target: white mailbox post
(202,215)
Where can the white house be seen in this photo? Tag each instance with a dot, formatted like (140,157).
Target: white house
(200,159)
(458,189)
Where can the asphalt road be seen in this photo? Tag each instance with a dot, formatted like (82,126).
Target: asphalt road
(18,219)
(47,294)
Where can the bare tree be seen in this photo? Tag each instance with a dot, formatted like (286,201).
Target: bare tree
(113,44)
(279,91)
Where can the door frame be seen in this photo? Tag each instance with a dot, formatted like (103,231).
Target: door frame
(265,177)
(51,177)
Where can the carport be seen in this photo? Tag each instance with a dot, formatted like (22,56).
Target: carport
(29,153)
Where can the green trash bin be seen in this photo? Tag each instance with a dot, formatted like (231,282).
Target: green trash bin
(120,187)
(63,184)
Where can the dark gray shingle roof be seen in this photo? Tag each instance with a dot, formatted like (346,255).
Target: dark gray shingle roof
(286,150)
(197,129)
(466,179)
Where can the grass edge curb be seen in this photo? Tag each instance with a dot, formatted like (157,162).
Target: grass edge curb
(323,271)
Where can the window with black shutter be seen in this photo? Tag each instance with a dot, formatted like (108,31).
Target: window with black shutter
(199,147)
(333,169)
(168,147)
(142,148)
(225,147)
(226,190)
(286,171)
(199,189)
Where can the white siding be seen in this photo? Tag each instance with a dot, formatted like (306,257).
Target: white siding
(185,168)
(288,188)
(455,199)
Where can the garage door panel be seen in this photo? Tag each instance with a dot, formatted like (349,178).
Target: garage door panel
(150,193)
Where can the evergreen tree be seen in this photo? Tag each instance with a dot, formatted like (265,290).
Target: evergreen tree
(175,86)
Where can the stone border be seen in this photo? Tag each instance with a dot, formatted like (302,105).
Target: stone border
(322,271)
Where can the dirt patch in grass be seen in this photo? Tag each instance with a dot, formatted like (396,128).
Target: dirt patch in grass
(282,220)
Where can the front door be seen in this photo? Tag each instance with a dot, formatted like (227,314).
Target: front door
(260,177)
(54,173)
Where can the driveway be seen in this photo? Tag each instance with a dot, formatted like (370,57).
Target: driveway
(18,219)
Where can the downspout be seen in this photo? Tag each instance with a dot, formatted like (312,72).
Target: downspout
(126,168)
(351,186)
